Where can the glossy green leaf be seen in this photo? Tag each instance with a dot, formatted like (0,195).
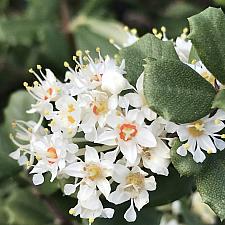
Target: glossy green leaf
(176,92)
(208,35)
(219,101)
(186,166)
(146,46)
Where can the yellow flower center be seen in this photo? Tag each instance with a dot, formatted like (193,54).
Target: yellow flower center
(146,153)
(196,129)
(94,171)
(135,182)
(71,119)
(71,108)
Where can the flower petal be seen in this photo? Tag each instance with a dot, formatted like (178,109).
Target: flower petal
(130,214)
(145,138)
(38,179)
(104,186)
(91,155)
(118,197)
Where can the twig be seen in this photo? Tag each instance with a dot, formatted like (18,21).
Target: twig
(60,218)
(65,21)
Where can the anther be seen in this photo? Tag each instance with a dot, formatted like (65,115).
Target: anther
(66,64)
(78,53)
(39,67)
(163,29)
(71,211)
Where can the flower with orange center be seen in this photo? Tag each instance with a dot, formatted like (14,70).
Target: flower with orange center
(127,131)
(52,155)
(100,108)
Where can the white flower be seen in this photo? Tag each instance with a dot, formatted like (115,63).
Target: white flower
(157,158)
(67,119)
(96,106)
(91,208)
(93,172)
(103,73)
(183,48)
(113,80)
(200,135)
(129,133)
(126,38)
(26,134)
(45,89)
(138,100)
(51,151)
(134,186)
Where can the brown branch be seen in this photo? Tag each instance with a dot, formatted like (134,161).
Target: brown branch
(60,218)
(65,21)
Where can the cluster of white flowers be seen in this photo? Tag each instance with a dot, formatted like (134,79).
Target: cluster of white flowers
(124,141)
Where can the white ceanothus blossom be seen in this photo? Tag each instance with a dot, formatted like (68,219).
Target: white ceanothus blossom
(201,135)
(97,133)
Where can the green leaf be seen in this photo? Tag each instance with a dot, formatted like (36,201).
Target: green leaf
(24,208)
(19,102)
(18,31)
(176,92)
(208,35)
(146,46)
(48,188)
(147,215)
(209,177)
(186,166)
(166,191)
(210,183)
(8,166)
(86,39)
(219,101)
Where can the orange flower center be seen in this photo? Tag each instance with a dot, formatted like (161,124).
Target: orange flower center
(49,91)
(100,108)
(52,155)
(127,131)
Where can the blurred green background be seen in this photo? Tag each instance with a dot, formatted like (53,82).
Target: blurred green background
(48,32)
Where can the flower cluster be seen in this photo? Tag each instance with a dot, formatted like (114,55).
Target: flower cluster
(99,131)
